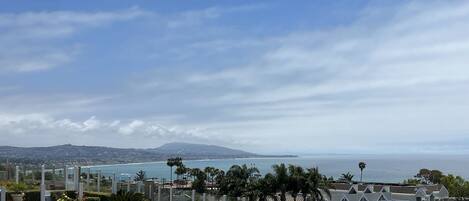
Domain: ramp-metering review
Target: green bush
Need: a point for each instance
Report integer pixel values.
(93, 199)
(32, 196)
(101, 196)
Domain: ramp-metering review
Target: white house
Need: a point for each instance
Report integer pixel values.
(379, 192)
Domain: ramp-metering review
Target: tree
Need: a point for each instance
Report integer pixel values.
(296, 179)
(127, 196)
(347, 177)
(140, 176)
(267, 187)
(281, 176)
(426, 176)
(316, 183)
(235, 182)
(180, 170)
(362, 166)
(171, 162)
(199, 180)
(210, 172)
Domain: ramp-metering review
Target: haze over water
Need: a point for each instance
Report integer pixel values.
(380, 168)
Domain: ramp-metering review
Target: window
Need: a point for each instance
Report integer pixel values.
(363, 199)
(352, 191)
(368, 190)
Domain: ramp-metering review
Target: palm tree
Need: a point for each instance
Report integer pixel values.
(315, 184)
(177, 161)
(127, 196)
(237, 180)
(281, 176)
(199, 180)
(296, 180)
(180, 170)
(347, 177)
(267, 187)
(210, 171)
(362, 166)
(140, 175)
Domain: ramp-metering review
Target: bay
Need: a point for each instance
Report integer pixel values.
(380, 168)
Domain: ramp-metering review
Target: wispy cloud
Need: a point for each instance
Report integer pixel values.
(32, 40)
(48, 131)
(344, 73)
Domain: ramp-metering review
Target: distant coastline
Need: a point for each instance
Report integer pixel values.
(96, 155)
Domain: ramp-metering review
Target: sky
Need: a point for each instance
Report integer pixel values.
(264, 76)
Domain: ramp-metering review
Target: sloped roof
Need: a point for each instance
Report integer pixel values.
(394, 188)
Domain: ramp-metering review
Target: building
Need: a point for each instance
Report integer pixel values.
(381, 192)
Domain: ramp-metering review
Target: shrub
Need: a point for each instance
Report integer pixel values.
(101, 196)
(17, 187)
(32, 196)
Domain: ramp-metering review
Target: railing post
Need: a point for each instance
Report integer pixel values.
(98, 187)
(150, 191)
(3, 193)
(224, 197)
(159, 193)
(88, 179)
(76, 178)
(80, 192)
(171, 193)
(203, 196)
(66, 177)
(17, 174)
(43, 183)
(114, 183)
(193, 195)
(128, 186)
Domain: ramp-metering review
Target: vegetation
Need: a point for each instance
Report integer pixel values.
(456, 185)
(171, 162)
(362, 166)
(140, 176)
(243, 180)
(127, 196)
(347, 177)
(17, 187)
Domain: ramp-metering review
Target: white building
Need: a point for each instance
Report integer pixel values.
(374, 192)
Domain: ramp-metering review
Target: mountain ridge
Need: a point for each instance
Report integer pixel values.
(90, 155)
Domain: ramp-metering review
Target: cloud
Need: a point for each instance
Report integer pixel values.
(93, 131)
(400, 67)
(32, 41)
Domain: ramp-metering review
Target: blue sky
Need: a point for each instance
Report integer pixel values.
(264, 76)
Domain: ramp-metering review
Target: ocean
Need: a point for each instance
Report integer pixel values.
(380, 168)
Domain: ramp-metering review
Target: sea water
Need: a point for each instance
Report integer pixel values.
(380, 168)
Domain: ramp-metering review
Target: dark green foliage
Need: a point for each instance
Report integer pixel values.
(199, 180)
(348, 177)
(457, 186)
(93, 199)
(127, 196)
(426, 176)
(140, 175)
(171, 162)
(281, 175)
(101, 196)
(362, 166)
(235, 182)
(32, 196)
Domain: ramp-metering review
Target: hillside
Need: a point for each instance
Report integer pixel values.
(107, 155)
(187, 149)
